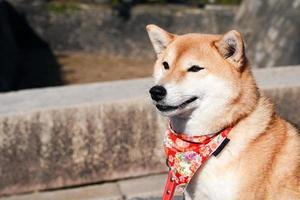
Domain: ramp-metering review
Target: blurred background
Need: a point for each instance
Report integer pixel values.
(58, 42)
(91, 137)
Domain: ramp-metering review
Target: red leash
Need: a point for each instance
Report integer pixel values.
(170, 187)
(186, 154)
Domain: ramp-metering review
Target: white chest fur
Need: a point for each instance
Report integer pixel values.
(222, 177)
(215, 181)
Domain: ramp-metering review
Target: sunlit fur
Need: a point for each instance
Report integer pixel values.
(262, 160)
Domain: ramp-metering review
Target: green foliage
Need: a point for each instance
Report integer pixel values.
(162, 1)
(223, 2)
(115, 2)
(60, 8)
(228, 2)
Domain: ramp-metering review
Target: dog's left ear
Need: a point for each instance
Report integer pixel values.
(160, 38)
(231, 47)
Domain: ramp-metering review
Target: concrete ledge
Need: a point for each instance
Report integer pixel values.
(282, 85)
(71, 96)
(74, 135)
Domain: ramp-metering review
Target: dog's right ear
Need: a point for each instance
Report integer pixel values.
(160, 38)
(231, 47)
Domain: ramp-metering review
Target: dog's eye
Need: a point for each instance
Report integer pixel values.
(166, 65)
(195, 68)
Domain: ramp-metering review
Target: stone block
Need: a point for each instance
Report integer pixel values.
(57, 137)
(83, 134)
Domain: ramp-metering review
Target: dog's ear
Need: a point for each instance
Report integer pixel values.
(160, 38)
(231, 47)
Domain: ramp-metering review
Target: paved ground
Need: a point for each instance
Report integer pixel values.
(143, 188)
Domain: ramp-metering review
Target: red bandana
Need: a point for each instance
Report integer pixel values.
(186, 154)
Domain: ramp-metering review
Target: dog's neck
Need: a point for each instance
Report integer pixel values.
(197, 124)
(211, 117)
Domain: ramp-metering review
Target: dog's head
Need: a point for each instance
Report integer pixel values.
(196, 71)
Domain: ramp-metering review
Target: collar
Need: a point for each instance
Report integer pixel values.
(185, 154)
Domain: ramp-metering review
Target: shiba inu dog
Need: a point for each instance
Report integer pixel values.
(203, 84)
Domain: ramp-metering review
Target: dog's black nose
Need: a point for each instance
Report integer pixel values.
(158, 92)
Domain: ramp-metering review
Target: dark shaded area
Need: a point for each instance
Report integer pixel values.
(124, 7)
(26, 61)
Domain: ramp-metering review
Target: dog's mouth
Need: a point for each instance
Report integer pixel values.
(167, 108)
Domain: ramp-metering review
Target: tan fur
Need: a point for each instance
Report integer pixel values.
(264, 152)
(270, 160)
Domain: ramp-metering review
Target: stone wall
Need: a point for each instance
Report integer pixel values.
(271, 30)
(93, 28)
(83, 134)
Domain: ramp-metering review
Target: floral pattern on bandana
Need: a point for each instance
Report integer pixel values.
(186, 154)
(187, 162)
